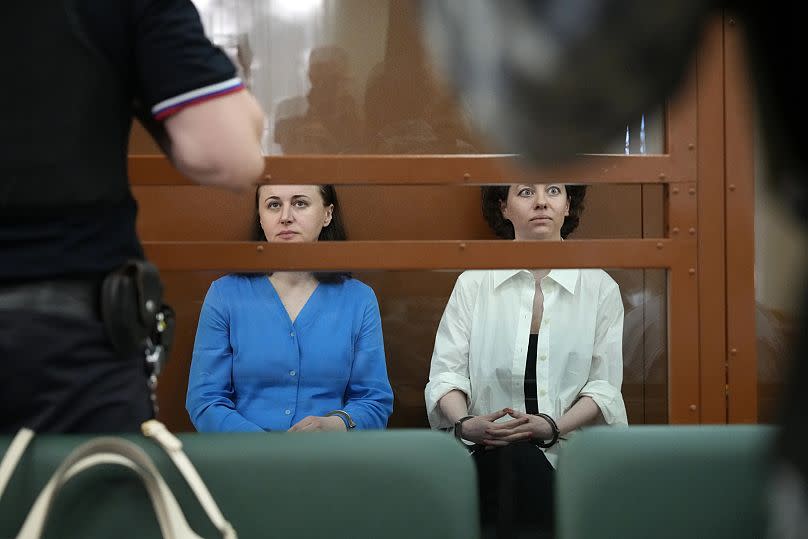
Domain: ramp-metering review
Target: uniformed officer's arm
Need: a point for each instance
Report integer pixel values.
(218, 142)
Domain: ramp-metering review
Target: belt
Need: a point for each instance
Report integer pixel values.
(70, 298)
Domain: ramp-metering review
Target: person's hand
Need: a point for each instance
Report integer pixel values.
(314, 423)
(474, 429)
(521, 428)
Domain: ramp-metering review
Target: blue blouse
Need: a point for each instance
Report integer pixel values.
(253, 369)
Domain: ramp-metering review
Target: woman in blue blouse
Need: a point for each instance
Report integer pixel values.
(291, 350)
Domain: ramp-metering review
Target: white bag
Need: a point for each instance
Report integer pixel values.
(121, 452)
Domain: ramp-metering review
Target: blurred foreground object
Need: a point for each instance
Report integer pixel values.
(546, 79)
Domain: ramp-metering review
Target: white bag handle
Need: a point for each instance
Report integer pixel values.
(13, 454)
(117, 451)
(173, 447)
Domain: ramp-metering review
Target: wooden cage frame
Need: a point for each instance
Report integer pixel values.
(708, 249)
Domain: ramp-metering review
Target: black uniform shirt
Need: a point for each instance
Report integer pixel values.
(158, 51)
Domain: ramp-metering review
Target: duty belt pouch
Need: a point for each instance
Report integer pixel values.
(131, 298)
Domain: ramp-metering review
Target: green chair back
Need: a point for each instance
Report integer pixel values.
(383, 484)
(682, 482)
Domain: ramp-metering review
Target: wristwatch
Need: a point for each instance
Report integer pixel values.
(345, 416)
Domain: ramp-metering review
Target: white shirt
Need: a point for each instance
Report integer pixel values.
(482, 340)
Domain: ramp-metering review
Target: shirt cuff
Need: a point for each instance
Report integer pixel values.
(609, 400)
(169, 107)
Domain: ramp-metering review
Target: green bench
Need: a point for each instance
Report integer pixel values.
(683, 482)
(404, 483)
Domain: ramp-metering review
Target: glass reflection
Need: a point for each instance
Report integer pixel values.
(326, 119)
(351, 76)
(385, 94)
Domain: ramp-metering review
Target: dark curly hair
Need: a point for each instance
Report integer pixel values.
(494, 195)
(335, 231)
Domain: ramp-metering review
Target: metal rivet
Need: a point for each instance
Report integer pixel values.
(692, 191)
(675, 230)
(691, 231)
(732, 187)
(660, 245)
(733, 351)
(692, 407)
(692, 271)
(259, 248)
(691, 146)
(149, 305)
(466, 176)
(661, 175)
(268, 177)
(731, 21)
(462, 245)
(675, 190)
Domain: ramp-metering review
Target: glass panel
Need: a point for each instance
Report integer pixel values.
(779, 260)
(350, 76)
(178, 213)
(411, 305)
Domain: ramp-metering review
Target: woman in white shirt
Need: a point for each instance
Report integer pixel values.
(527, 356)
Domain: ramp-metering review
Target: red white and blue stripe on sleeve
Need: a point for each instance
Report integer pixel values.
(166, 108)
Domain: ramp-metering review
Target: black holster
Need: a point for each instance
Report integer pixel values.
(132, 309)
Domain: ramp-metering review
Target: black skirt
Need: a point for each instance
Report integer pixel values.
(515, 487)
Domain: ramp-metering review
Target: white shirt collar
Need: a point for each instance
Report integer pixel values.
(567, 278)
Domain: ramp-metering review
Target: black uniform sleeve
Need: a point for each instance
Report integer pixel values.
(175, 63)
